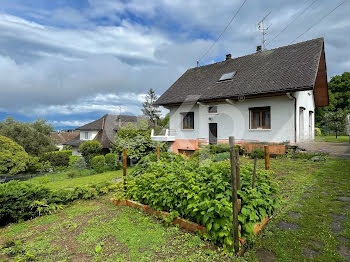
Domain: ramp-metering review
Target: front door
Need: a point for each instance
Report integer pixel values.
(213, 133)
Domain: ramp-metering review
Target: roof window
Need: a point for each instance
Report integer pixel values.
(227, 76)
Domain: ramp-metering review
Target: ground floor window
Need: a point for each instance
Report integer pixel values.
(260, 117)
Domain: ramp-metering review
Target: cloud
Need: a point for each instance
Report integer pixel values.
(73, 123)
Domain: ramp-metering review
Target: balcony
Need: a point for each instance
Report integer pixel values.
(167, 137)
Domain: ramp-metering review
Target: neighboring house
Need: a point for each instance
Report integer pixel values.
(269, 96)
(102, 130)
(63, 137)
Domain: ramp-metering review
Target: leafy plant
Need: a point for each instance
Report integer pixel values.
(112, 161)
(90, 149)
(73, 159)
(98, 164)
(221, 157)
(80, 164)
(57, 158)
(257, 153)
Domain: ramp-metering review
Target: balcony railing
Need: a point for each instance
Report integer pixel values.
(169, 136)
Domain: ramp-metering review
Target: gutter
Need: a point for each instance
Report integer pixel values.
(290, 96)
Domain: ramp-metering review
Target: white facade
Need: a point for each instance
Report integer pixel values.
(234, 119)
(88, 135)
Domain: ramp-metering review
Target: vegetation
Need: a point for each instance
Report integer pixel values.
(79, 164)
(257, 153)
(149, 110)
(335, 121)
(89, 150)
(33, 137)
(35, 165)
(13, 158)
(203, 194)
(98, 164)
(112, 162)
(57, 158)
(340, 139)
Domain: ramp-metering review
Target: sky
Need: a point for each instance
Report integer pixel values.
(70, 62)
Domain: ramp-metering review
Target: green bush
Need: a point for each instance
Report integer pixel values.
(80, 164)
(258, 153)
(23, 200)
(98, 164)
(90, 149)
(221, 157)
(13, 158)
(57, 158)
(202, 194)
(35, 166)
(112, 161)
(318, 131)
(73, 159)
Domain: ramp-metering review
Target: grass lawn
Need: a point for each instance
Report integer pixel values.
(340, 139)
(61, 180)
(314, 222)
(98, 231)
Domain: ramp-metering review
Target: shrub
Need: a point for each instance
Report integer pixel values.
(73, 159)
(80, 164)
(203, 195)
(35, 166)
(258, 153)
(23, 200)
(98, 164)
(13, 158)
(221, 157)
(57, 158)
(111, 161)
(89, 150)
(318, 131)
(72, 173)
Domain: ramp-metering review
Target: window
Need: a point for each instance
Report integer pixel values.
(227, 76)
(86, 135)
(260, 118)
(212, 109)
(188, 120)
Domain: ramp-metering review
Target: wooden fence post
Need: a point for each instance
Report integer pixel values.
(238, 171)
(267, 157)
(254, 171)
(234, 192)
(124, 165)
(158, 153)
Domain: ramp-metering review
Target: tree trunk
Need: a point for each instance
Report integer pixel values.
(336, 134)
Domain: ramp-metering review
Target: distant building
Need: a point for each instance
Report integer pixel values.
(62, 137)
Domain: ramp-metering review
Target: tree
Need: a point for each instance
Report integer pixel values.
(149, 110)
(33, 137)
(13, 158)
(89, 150)
(164, 122)
(335, 121)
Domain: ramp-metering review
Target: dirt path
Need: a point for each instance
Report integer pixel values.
(341, 150)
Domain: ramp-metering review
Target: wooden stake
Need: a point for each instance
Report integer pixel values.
(234, 193)
(238, 171)
(254, 172)
(267, 158)
(158, 153)
(124, 165)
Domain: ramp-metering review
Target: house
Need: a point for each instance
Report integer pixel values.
(266, 97)
(102, 130)
(63, 137)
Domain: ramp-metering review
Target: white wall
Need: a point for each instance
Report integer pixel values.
(92, 135)
(305, 99)
(75, 151)
(233, 120)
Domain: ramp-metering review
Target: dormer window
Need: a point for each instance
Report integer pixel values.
(227, 76)
(212, 109)
(86, 135)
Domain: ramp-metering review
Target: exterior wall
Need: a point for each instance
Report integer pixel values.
(305, 99)
(92, 135)
(75, 151)
(233, 120)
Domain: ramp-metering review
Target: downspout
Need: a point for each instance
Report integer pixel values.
(290, 96)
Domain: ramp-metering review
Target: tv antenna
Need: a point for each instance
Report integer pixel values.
(263, 30)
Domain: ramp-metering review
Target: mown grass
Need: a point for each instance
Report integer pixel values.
(97, 231)
(62, 180)
(340, 139)
(312, 194)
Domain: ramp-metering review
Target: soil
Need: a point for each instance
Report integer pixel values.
(265, 255)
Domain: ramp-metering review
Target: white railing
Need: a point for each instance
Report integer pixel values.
(166, 137)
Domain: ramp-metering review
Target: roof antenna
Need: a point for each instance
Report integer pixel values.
(263, 30)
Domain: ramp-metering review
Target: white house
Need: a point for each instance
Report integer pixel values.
(102, 130)
(269, 96)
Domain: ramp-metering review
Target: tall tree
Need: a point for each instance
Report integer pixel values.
(149, 110)
(335, 121)
(33, 137)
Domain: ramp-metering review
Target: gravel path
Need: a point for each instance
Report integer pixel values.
(341, 150)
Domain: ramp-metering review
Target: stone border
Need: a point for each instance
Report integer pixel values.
(183, 223)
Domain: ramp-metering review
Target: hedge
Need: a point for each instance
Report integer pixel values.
(57, 158)
(98, 164)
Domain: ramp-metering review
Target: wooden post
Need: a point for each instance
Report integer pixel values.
(234, 193)
(238, 171)
(254, 171)
(267, 158)
(124, 165)
(158, 153)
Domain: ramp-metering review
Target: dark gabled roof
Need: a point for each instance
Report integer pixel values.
(62, 137)
(107, 126)
(285, 69)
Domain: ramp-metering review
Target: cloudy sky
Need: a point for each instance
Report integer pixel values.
(72, 61)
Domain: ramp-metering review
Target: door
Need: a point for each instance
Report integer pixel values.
(301, 123)
(213, 133)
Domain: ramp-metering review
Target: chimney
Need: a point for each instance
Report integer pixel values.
(228, 57)
(259, 48)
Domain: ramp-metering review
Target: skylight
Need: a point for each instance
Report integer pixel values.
(227, 76)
